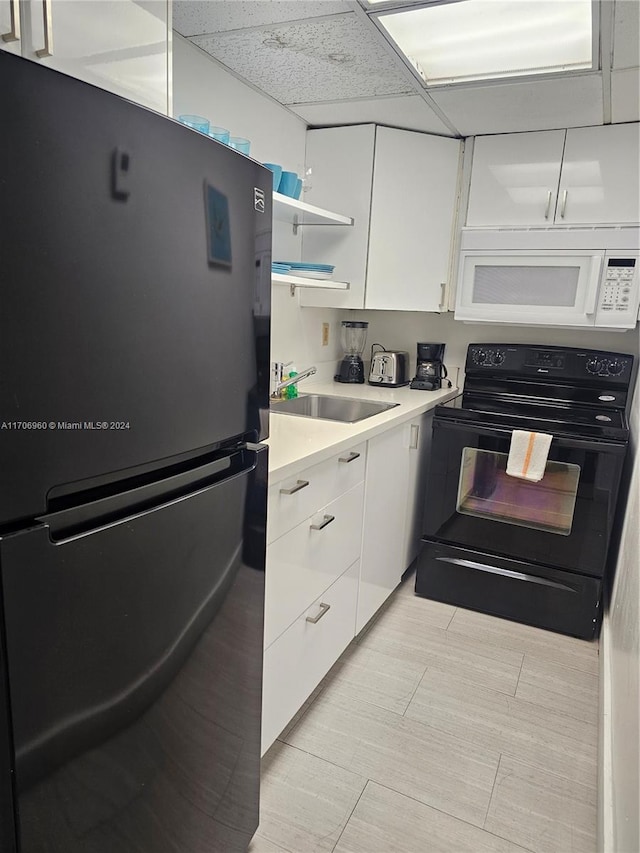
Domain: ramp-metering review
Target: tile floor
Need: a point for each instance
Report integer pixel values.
(440, 730)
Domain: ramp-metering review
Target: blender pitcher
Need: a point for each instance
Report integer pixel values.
(353, 336)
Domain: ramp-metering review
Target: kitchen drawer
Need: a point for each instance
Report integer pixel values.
(326, 481)
(299, 659)
(306, 561)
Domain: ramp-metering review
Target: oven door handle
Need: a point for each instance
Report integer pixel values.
(558, 440)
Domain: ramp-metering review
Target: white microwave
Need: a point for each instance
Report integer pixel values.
(578, 287)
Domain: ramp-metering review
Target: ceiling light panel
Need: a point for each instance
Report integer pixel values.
(484, 39)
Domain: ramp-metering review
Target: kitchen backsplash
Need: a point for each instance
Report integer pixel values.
(402, 330)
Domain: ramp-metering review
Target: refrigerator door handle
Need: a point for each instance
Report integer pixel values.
(129, 503)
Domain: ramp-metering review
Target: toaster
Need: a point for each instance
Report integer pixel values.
(389, 369)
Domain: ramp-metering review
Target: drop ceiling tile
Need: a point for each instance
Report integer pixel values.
(625, 95)
(626, 34)
(196, 17)
(533, 105)
(409, 112)
(326, 59)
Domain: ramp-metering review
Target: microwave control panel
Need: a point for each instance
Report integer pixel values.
(619, 293)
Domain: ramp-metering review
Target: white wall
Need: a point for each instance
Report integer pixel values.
(620, 671)
(202, 86)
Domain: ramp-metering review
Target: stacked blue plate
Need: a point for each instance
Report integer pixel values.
(307, 270)
(283, 269)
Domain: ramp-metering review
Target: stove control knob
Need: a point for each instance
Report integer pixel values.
(615, 368)
(498, 357)
(594, 365)
(480, 356)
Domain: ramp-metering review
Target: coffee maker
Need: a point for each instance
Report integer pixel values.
(430, 369)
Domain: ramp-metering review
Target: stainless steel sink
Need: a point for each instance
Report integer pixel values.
(344, 409)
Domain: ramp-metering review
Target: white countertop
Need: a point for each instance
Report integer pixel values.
(297, 442)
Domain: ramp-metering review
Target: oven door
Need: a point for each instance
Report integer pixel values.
(565, 520)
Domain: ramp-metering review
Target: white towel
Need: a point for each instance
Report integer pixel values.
(528, 454)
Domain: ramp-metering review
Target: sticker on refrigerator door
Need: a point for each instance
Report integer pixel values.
(218, 227)
(258, 199)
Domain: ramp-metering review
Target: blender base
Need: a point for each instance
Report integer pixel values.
(350, 370)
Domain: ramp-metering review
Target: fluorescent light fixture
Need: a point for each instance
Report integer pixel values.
(486, 39)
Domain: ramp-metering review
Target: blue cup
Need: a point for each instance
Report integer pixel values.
(288, 184)
(298, 188)
(219, 133)
(196, 122)
(277, 174)
(240, 144)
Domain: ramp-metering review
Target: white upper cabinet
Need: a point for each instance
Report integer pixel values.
(401, 188)
(413, 208)
(600, 178)
(119, 45)
(515, 178)
(585, 175)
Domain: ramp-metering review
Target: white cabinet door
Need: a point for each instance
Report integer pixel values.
(308, 559)
(515, 178)
(401, 188)
(119, 45)
(298, 660)
(384, 521)
(10, 26)
(413, 209)
(600, 180)
(419, 453)
(341, 163)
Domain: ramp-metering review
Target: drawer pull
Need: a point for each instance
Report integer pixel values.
(350, 458)
(14, 32)
(47, 50)
(327, 520)
(323, 610)
(300, 484)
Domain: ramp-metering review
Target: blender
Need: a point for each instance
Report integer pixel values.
(353, 335)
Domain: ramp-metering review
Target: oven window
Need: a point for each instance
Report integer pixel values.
(485, 490)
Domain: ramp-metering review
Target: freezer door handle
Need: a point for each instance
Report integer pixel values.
(139, 499)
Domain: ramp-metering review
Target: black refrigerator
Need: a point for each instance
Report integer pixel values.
(135, 271)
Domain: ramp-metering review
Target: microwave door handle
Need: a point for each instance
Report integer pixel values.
(594, 282)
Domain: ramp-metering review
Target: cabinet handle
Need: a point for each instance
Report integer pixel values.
(300, 484)
(548, 210)
(14, 32)
(415, 433)
(565, 193)
(443, 288)
(326, 521)
(323, 610)
(47, 50)
(350, 458)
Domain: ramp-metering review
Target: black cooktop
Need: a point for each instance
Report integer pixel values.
(563, 391)
(542, 416)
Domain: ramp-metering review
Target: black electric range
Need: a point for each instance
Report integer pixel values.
(533, 552)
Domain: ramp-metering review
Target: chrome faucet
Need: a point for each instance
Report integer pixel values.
(280, 383)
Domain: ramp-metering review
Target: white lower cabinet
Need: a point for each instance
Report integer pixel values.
(298, 660)
(295, 498)
(396, 475)
(340, 535)
(419, 453)
(383, 534)
(304, 562)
